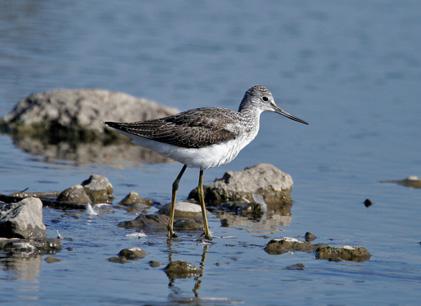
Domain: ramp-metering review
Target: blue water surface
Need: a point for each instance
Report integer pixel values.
(350, 68)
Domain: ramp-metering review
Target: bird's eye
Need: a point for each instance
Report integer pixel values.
(265, 99)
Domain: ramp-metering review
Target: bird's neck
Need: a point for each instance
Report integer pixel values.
(251, 115)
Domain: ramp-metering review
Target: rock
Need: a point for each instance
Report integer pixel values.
(368, 202)
(183, 225)
(152, 223)
(342, 253)
(309, 236)
(22, 220)
(297, 266)
(98, 188)
(154, 263)
(132, 253)
(287, 244)
(147, 223)
(30, 247)
(241, 186)
(74, 197)
(186, 210)
(133, 198)
(411, 181)
(51, 259)
(181, 269)
(118, 259)
(77, 114)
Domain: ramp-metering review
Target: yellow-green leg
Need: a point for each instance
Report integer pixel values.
(203, 206)
(171, 233)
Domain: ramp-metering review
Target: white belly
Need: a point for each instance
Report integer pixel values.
(206, 157)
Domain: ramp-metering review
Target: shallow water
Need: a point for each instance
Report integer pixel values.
(352, 69)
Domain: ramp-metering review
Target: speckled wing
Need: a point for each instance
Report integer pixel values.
(195, 128)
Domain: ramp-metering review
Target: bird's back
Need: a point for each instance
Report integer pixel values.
(195, 128)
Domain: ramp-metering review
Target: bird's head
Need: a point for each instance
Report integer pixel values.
(261, 98)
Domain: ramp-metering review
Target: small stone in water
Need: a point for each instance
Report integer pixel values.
(51, 259)
(368, 203)
(297, 266)
(154, 263)
(132, 253)
(309, 236)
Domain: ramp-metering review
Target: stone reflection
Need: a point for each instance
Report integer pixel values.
(116, 154)
(22, 267)
(177, 269)
(254, 216)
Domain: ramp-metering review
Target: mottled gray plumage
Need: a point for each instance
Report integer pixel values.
(195, 128)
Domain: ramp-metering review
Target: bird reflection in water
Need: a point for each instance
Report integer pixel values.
(197, 275)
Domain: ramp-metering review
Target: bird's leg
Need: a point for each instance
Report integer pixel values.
(171, 233)
(203, 206)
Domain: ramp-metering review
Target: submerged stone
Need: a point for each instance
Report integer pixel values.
(368, 202)
(297, 266)
(411, 181)
(342, 253)
(154, 263)
(152, 223)
(309, 236)
(287, 244)
(147, 223)
(181, 269)
(51, 259)
(132, 253)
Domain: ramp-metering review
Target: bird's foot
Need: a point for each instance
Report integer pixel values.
(206, 236)
(171, 234)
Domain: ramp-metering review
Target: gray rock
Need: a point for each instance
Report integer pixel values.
(51, 259)
(30, 247)
(147, 223)
(22, 219)
(132, 253)
(181, 269)
(98, 188)
(77, 114)
(154, 263)
(118, 259)
(297, 266)
(286, 244)
(411, 181)
(133, 198)
(241, 186)
(186, 210)
(348, 253)
(74, 197)
(151, 223)
(187, 224)
(309, 236)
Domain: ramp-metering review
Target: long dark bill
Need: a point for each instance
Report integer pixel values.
(288, 115)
